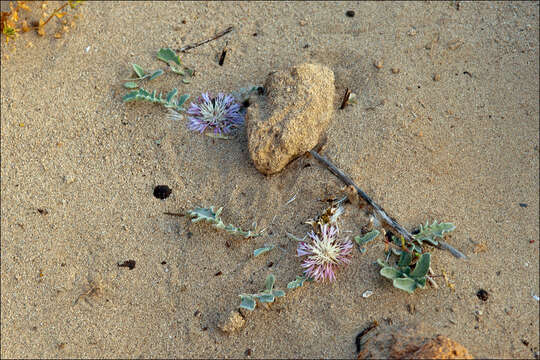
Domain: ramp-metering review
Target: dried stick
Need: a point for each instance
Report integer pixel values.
(217, 36)
(379, 211)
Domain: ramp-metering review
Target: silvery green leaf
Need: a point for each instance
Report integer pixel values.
(130, 85)
(382, 263)
(367, 237)
(156, 73)
(420, 282)
(406, 284)
(206, 214)
(131, 96)
(390, 273)
(265, 298)
(430, 232)
(278, 293)
(299, 281)
(269, 283)
(181, 100)
(262, 250)
(177, 69)
(168, 55)
(422, 266)
(171, 94)
(405, 259)
(138, 70)
(248, 302)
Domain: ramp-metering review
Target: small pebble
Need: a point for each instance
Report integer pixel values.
(523, 205)
(349, 13)
(395, 70)
(436, 77)
(248, 352)
(367, 294)
(302, 23)
(378, 64)
(412, 32)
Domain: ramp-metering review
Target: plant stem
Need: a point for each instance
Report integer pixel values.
(54, 13)
(217, 36)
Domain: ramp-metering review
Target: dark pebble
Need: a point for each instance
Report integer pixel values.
(248, 352)
(162, 191)
(163, 263)
(482, 294)
(218, 273)
(523, 205)
(350, 13)
(43, 211)
(129, 264)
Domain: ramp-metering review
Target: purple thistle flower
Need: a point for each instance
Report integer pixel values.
(325, 253)
(220, 113)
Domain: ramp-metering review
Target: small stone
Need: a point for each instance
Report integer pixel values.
(162, 192)
(283, 125)
(436, 77)
(302, 22)
(232, 323)
(395, 70)
(412, 32)
(349, 13)
(378, 64)
(367, 294)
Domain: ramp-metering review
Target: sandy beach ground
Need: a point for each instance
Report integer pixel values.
(78, 170)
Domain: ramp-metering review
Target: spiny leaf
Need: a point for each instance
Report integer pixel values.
(367, 237)
(171, 95)
(208, 215)
(430, 232)
(422, 266)
(262, 250)
(182, 100)
(248, 302)
(131, 96)
(138, 70)
(167, 55)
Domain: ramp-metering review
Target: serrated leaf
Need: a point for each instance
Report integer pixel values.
(130, 85)
(167, 55)
(299, 281)
(138, 70)
(422, 266)
(156, 73)
(269, 283)
(206, 214)
(430, 232)
(248, 302)
(405, 259)
(130, 96)
(278, 293)
(390, 273)
(405, 284)
(367, 237)
(265, 298)
(262, 250)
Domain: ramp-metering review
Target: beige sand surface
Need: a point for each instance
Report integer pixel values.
(461, 149)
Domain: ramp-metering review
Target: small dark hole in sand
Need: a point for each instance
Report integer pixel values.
(162, 192)
(482, 294)
(128, 263)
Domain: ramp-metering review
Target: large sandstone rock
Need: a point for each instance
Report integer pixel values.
(291, 117)
(391, 342)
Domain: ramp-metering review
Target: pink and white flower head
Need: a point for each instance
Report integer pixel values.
(220, 113)
(325, 253)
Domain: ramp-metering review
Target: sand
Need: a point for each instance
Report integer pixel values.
(79, 167)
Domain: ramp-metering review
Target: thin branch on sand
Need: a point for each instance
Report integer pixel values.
(215, 37)
(379, 211)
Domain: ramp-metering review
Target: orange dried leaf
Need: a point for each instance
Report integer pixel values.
(24, 26)
(57, 35)
(41, 23)
(41, 31)
(22, 5)
(60, 15)
(15, 16)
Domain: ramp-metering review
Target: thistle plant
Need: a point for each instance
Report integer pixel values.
(268, 295)
(402, 276)
(208, 215)
(325, 252)
(220, 113)
(169, 100)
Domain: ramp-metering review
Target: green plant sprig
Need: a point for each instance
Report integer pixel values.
(268, 295)
(208, 215)
(168, 101)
